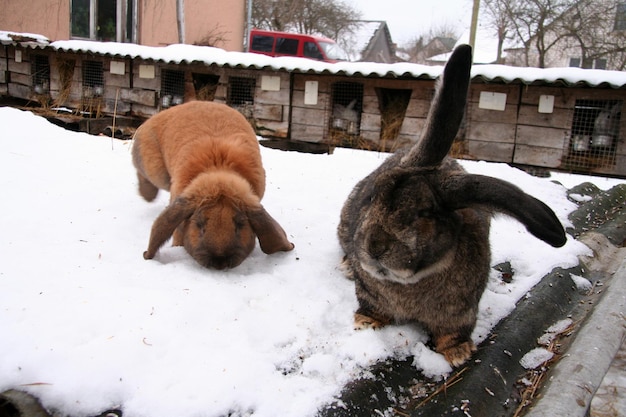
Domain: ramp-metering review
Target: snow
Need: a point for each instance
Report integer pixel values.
(88, 324)
(202, 54)
(580, 198)
(32, 38)
(582, 283)
(535, 358)
(553, 331)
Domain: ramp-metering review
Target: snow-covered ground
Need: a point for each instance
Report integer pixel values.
(87, 324)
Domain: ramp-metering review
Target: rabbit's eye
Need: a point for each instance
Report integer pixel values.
(239, 221)
(425, 213)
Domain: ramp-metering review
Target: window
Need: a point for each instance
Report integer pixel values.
(599, 63)
(262, 43)
(103, 20)
(287, 46)
(588, 63)
(620, 16)
(312, 51)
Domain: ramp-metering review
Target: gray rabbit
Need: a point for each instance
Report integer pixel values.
(415, 232)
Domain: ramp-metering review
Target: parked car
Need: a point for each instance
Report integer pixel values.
(293, 44)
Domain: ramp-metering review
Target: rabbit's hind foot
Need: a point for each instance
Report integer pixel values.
(455, 353)
(362, 322)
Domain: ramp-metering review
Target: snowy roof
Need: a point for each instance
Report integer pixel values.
(182, 53)
(25, 39)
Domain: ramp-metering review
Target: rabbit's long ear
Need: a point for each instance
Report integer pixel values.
(460, 191)
(446, 112)
(272, 237)
(163, 227)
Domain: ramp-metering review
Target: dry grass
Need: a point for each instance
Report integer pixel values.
(422, 393)
(66, 73)
(534, 379)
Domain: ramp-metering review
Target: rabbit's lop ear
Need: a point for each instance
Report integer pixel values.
(446, 112)
(460, 191)
(163, 227)
(272, 237)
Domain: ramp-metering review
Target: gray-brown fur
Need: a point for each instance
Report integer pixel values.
(415, 232)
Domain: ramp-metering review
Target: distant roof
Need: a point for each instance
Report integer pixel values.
(360, 39)
(485, 46)
(180, 53)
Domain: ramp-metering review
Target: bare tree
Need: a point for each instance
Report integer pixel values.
(498, 19)
(553, 27)
(330, 18)
(536, 25)
(590, 26)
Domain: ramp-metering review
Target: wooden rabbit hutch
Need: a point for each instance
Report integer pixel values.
(261, 95)
(4, 72)
(26, 73)
(577, 129)
(369, 113)
(528, 119)
(572, 129)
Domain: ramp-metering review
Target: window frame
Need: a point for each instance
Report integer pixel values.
(125, 20)
(620, 16)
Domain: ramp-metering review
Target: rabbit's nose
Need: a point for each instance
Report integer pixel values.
(221, 262)
(378, 243)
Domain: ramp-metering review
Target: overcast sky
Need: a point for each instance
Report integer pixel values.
(409, 18)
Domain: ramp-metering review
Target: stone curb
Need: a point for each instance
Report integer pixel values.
(577, 376)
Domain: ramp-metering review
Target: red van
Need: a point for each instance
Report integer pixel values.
(293, 44)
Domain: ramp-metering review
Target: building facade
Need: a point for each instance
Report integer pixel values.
(145, 22)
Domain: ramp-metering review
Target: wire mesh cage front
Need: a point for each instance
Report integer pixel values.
(93, 79)
(93, 87)
(172, 88)
(347, 106)
(40, 71)
(594, 134)
(241, 95)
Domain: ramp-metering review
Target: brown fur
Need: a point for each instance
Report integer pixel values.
(207, 156)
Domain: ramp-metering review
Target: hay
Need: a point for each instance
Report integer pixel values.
(66, 74)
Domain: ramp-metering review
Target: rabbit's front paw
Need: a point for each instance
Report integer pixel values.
(455, 353)
(346, 269)
(362, 322)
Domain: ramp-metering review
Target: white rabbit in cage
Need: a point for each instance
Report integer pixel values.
(345, 117)
(606, 126)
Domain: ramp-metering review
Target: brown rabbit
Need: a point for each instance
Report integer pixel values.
(207, 156)
(416, 230)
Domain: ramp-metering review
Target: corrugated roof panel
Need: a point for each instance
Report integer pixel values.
(214, 56)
